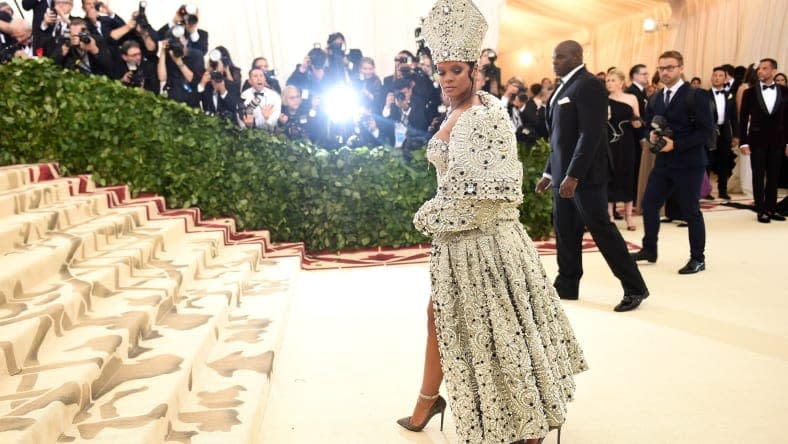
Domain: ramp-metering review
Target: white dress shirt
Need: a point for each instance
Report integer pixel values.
(565, 79)
(769, 96)
(672, 90)
(270, 97)
(719, 100)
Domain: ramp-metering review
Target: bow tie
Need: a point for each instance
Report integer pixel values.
(719, 92)
(772, 86)
(259, 94)
(727, 84)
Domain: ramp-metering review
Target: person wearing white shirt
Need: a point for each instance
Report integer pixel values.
(727, 129)
(265, 114)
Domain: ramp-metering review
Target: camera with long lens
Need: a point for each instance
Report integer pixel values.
(64, 39)
(522, 94)
(136, 78)
(8, 51)
(174, 40)
(661, 129)
(188, 14)
(217, 76)
(142, 19)
(84, 37)
(399, 95)
(249, 107)
(214, 57)
(98, 6)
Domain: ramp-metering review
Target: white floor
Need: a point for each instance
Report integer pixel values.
(704, 360)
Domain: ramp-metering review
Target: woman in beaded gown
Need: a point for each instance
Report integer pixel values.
(497, 334)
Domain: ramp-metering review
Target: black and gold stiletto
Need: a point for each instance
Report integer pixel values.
(439, 406)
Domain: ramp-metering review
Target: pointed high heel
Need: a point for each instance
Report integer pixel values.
(439, 406)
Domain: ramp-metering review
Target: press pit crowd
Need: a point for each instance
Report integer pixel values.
(335, 97)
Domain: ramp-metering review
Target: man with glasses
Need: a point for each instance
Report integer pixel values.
(681, 160)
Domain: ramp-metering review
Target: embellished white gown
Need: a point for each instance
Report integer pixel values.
(507, 350)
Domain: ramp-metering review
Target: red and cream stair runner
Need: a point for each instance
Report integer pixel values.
(121, 321)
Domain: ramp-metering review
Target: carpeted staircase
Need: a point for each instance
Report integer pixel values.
(123, 322)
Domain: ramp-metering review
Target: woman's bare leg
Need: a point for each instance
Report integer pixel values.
(628, 213)
(433, 374)
(610, 206)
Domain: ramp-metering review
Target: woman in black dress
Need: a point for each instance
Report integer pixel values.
(623, 121)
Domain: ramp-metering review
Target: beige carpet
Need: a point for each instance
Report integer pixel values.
(704, 360)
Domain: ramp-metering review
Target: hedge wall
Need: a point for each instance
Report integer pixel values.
(328, 199)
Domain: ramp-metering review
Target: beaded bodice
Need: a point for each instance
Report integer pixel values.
(479, 175)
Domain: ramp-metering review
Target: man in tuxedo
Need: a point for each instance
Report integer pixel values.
(90, 56)
(638, 76)
(680, 164)
(723, 110)
(53, 27)
(764, 139)
(102, 21)
(578, 169)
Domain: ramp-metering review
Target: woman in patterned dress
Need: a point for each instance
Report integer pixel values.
(497, 334)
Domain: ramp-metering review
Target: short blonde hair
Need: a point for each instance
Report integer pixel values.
(616, 72)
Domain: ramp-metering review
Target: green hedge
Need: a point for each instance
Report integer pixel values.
(328, 199)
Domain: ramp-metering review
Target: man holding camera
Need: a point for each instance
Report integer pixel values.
(135, 70)
(681, 127)
(180, 68)
(83, 51)
(188, 17)
(53, 29)
(102, 21)
(261, 105)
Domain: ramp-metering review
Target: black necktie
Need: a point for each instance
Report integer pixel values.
(719, 92)
(772, 86)
(667, 97)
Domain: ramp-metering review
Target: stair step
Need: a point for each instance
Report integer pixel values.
(228, 399)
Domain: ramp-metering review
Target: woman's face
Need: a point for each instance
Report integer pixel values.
(455, 80)
(613, 83)
(780, 79)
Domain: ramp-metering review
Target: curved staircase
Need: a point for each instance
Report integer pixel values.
(123, 322)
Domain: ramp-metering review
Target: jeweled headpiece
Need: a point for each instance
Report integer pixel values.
(454, 30)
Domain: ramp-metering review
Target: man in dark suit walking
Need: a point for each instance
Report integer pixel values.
(723, 109)
(578, 169)
(681, 162)
(763, 106)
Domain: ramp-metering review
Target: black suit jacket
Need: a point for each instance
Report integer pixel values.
(225, 107)
(765, 129)
(730, 126)
(690, 139)
(39, 8)
(577, 119)
(641, 95)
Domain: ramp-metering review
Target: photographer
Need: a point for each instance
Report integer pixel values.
(188, 17)
(367, 83)
(135, 70)
(337, 71)
(220, 64)
(219, 94)
(139, 30)
(678, 136)
(84, 52)
(53, 30)
(261, 105)
(19, 42)
(180, 68)
(404, 64)
(492, 73)
(102, 21)
(310, 76)
(294, 121)
(407, 112)
(371, 131)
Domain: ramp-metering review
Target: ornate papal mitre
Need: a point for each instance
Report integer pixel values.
(454, 30)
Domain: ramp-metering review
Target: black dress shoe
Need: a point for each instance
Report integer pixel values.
(568, 297)
(763, 218)
(725, 196)
(776, 216)
(644, 255)
(709, 197)
(617, 216)
(630, 302)
(692, 267)
(666, 220)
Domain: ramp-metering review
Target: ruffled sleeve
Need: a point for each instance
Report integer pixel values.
(483, 177)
